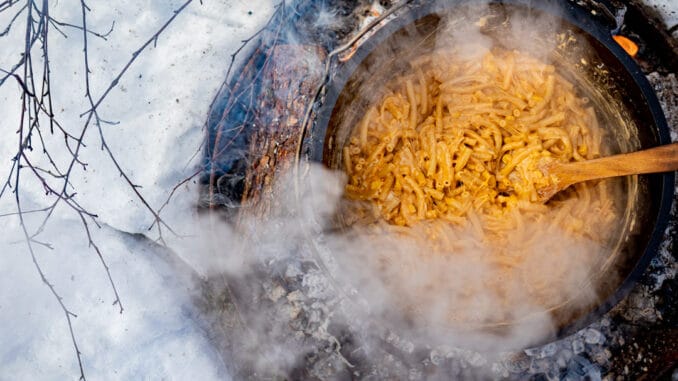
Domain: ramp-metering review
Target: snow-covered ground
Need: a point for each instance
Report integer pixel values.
(667, 9)
(161, 104)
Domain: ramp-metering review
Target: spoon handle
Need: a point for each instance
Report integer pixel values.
(659, 159)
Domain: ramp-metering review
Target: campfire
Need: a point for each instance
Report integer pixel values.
(290, 304)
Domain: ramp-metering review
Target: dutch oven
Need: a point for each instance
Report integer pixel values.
(626, 104)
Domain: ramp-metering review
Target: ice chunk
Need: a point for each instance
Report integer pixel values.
(549, 350)
(592, 336)
(577, 346)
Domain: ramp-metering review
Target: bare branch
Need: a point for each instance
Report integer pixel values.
(11, 22)
(38, 123)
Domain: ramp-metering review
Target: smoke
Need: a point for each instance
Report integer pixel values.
(293, 277)
(300, 270)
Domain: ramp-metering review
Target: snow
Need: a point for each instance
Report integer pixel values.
(155, 337)
(667, 10)
(160, 106)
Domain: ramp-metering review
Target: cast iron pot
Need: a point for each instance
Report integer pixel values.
(625, 102)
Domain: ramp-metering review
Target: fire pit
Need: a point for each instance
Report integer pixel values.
(257, 132)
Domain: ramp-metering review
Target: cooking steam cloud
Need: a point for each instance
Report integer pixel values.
(385, 278)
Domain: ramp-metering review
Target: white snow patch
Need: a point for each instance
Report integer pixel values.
(160, 106)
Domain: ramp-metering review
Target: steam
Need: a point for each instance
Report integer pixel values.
(376, 277)
(380, 281)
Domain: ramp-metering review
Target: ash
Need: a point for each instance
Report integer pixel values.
(313, 333)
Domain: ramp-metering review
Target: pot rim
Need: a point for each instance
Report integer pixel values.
(579, 18)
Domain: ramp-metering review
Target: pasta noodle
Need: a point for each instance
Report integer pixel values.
(491, 127)
(453, 148)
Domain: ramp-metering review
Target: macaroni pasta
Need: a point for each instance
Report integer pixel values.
(461, 135)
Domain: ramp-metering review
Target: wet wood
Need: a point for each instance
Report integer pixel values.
(290, 78)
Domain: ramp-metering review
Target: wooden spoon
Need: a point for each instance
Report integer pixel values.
(659, 159)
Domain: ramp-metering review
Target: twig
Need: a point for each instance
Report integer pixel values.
(38, 123)
(11, 22)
